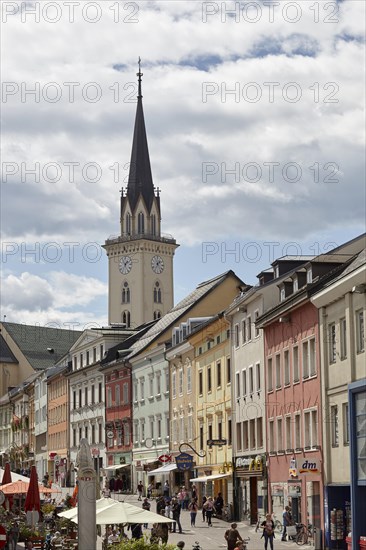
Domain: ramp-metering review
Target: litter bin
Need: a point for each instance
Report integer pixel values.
(318, 538)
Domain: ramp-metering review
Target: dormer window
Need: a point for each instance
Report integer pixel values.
(296, 284)
(309, 275)
(282, 294)
(276, 271)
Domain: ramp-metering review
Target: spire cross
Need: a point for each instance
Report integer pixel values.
(158, 191)
(139, 74)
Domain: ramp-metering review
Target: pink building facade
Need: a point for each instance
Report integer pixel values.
(293, 412)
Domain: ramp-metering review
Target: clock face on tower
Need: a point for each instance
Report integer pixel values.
(157, 264)
(125, 265)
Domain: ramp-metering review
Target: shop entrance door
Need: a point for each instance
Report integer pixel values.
(253, 499)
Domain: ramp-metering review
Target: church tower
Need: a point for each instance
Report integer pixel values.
(141, 258)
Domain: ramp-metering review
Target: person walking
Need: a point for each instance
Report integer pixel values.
(146, 506)
(286, 520)
(268, 531)
(232, 536)
(176, 508)
(193, 508)
(163, 530)
(219, 504)
(166, 489)
(160, 505)
(204, 500)
(140, 489)
(209, 509)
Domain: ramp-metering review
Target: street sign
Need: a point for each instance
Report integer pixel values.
(184, 461)
(110, 434)
(219, 442)
(2, 536)
(165, 458)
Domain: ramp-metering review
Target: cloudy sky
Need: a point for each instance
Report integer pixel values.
(255, 121)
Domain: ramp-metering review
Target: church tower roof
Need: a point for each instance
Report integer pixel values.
(140, 178)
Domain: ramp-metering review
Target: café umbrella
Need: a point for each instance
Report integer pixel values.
(7, 479)
(32, 505)
(21, 488)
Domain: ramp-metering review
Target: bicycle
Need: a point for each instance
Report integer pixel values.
(226, 513)
(303, 533)
(277, 524)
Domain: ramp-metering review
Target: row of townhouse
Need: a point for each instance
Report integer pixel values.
(264, 387)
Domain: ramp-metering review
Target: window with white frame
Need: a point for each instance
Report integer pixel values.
(251, 380)
(218, 374)
(345, 424)
(249, 328)
(286, 367)
(189, 379)
(158, 426)
(142, 427)
(239, 443)
(118, 394)
(270, 374)
(279, 435)
(151, 386)
(174, 384)
(332, 339)
(109, 397)
(271, 436)
(312, 357)
(135, 390)
(151, 422)
(244, 381)
(258, 375)
(125, 392)
(190, 427)
(297, 428)
(201, 436)
(209, 379)
(244, 331)
(256, 330)
(167, 425)
(305, 359)
(237, 384)
(142, 389)
(228, 370)
(167, 380)
(180, 381)
(334, 425)
(288, 431)
(311, 428)
(158, 383)
(253, 435)
(360, 331)
(200, 383)
(278, 371)
(236, 336)
(295, 363)
(245, 425)
(260, 432)
(343, 335)
(126, 434)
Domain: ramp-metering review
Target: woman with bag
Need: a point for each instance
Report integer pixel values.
(268, 531)
(193, 508)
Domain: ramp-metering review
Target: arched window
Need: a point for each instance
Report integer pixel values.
(157, 293)
(126, 318)
(157, 314)
(153, 224)
(140, 223)
(126, 294)
(128, 223)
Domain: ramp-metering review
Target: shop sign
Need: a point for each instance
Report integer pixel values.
(310, 467)
(139, 465)
(251, 464)
(292, 471)
(122, 460)
(165, 458)
(184, 461)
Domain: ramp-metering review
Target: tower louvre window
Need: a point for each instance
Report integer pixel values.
(157, 293)
(140, 223)
(126, 318)
(153, 224)
(128, 224)
(126, 294)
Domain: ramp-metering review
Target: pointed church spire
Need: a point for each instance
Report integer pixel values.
(140, 178)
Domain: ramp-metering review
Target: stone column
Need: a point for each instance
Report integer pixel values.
(86, 497)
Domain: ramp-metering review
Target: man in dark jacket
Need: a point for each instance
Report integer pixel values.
(176, 515)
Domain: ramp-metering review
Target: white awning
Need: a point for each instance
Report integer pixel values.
(163, 469)
(116, 466)
(203, 479)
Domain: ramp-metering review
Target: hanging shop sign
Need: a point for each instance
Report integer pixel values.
(165, 458)
(184, 461)
(292, 471)
(309, 467)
